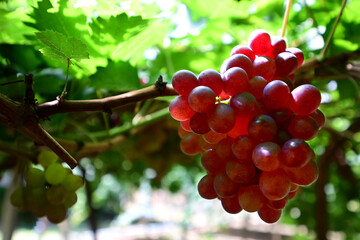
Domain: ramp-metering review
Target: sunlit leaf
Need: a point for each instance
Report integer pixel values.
(61, 47)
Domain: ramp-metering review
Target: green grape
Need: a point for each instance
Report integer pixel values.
(56, 195)
(36, 201)
(34, 177)
(55, 173)
(45, 158)
(56, 214)
(72, 182)
(17, 198)
(70, 200)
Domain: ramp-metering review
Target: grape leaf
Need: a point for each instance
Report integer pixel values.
(61, 47)
(120, 75)
(119, 27)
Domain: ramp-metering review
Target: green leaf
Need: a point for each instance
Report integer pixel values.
(117, 27)
(348, 89)
(150, 36)
(118, 75)
(61, 47)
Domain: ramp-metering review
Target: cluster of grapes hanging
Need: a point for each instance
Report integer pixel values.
(250, 122)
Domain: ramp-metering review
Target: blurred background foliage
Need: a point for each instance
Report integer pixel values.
(132, 43)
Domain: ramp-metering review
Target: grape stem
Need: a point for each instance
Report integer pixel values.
(106, 104)
(323, 52)
(286, 17)
(64, 92)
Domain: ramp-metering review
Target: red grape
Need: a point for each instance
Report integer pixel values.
(276, 94)
(295, 153)
(298, 53)
(198, 123)
(262, 128)
(212, 79)
(204, 145)
(244, 104)
(222, 118)
(260, 42)
(256, 86)
(189, 144)
(243, 49)
(243, 147)
(277, 204)
(304, 99)
(278, 46)
(202, 99)
(224, 186)
(282, 118)
(241, 172)
(303, 176)
(303, 127)
(241, 61)
(212, 162)
(235, 80)
(184, 81)
(182, 132)
(224, 148)
(180, 109)
(251, 198)
(286, 64)
(274, 185)
(265, 67)
(231, 204)
(266, 156)
(206, 187)
(319, 117)
(213, 137)
(185, 125)
(268, 214)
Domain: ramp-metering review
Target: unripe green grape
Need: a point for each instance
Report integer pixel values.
(17, 198)
(34, 177)
(70, 200)
(56, 214)
(55, 173)
(56, 195)
(72, 182)
(45, 158)
(36, 201)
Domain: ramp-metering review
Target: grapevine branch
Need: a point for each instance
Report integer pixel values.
(25, 116)
(106, 104)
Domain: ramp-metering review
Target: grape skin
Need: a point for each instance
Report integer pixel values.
(55, 173)
(266, 156)
(304, 99)
(212, 79)
(235, 80)
(202, 99)
(180, 109)
(222, 118)
(206, 188)
(184, 81)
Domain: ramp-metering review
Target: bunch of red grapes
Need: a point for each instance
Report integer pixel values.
(250, 122)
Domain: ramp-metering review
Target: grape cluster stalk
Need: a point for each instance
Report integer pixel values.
(250, 122)
(49, 189)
